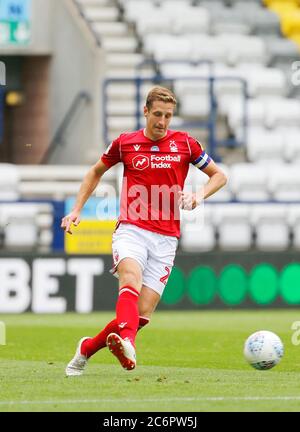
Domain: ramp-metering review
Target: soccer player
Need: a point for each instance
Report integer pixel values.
(156, 162)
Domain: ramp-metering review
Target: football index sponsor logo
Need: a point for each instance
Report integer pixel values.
(140, 162)
(164, 161)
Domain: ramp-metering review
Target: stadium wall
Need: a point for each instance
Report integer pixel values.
(60, 283)
(77, 65)
(60, 60)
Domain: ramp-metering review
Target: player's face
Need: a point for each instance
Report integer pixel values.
(158, 118)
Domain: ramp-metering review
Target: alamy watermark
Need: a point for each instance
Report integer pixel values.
(296, 335)
(155, 203)
(296, 73)
(2, 333)
(2, 74)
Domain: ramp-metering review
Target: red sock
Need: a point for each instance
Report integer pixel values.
(90, 346)
(128, 313)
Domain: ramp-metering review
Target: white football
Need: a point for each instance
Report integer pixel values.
(263, 349)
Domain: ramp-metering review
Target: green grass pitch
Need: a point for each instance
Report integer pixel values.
(187, 361)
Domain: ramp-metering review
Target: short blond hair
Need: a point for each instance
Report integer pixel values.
(160, 94)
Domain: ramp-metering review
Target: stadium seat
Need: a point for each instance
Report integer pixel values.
(192, 20)
(284, 182)
(281, 50)
(271, 229)
(198, 233)
(264, 145)
(109, 28)
(119, 44)
(227, 20)
(291, 147)
(242, 48)
(21, 234)
(233, 227)
(267, 82)
(134, 9)
(255, 114)
(282, 112)
(94, 13)
(248, 182)
(153, 23)
(9, 182)
(263, 22)
(23, 223)
(172, 48)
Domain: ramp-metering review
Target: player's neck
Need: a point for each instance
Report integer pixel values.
(148, 135)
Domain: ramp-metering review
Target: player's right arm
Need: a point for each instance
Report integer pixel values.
(87, 187)
(111, 157)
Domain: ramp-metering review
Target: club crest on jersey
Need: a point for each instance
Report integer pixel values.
(136, 147)
(140, 162)
(155, 148)
(173, 146)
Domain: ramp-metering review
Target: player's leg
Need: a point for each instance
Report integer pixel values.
(147, 303)
(122, 344)
(122, 330)
(160, 258)
(130, 258)
(130, 255)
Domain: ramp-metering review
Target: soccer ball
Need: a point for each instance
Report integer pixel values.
(263, 350)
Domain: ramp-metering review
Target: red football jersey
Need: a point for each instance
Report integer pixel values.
(154, 173)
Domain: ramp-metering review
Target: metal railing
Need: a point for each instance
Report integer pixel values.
(210, 124)
(58, 138)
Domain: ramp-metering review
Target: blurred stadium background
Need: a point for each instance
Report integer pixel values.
(74, 74)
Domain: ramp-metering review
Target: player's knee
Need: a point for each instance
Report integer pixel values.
(128, 277)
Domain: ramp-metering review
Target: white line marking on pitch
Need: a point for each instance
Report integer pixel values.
(201, 399)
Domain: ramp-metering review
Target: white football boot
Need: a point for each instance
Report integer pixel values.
(122, 349)
(79, 361)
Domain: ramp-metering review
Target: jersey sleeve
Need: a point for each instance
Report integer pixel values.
(112, 155)
(199, 158)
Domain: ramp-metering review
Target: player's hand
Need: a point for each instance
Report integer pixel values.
(68, 220)
(187, 200)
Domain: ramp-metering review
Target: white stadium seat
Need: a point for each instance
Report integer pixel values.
(248, 182)
(9, 182)
(234, 229)
(271, 229)
(284, 182)
(21, 234)
(198, 232)
(282, 112)
(94, 13)
(263, 145)
(291, 147)
(23, 223)
(255, 114)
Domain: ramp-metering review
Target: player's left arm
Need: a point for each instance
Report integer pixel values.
(217, 179)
